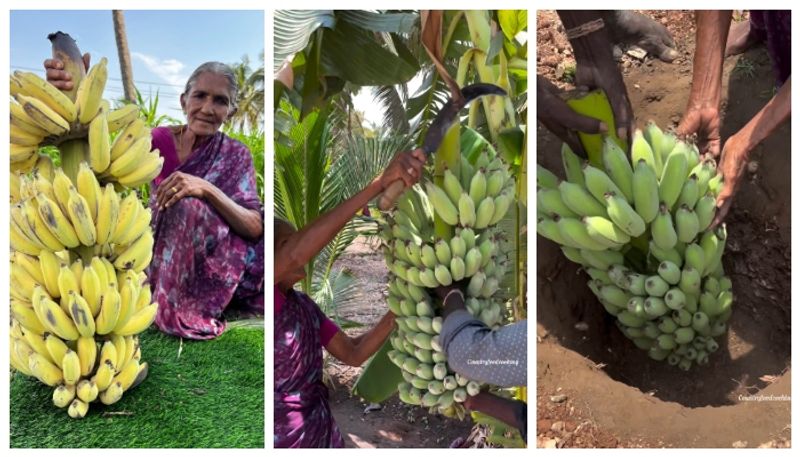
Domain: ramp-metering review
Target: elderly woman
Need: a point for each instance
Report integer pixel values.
(207, 217)
(302, 415)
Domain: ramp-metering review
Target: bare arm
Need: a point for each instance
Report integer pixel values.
(245, 222)
(297, 249)
(354, 351)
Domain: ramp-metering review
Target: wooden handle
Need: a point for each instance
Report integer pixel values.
(391, 193)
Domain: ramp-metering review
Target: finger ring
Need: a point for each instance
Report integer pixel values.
(174, 190)
(410, 170)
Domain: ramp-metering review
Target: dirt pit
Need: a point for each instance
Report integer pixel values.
(595, 388)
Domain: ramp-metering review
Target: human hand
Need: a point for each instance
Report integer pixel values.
(632, 28)
(732, 166)
(560, 119)
(703, 120)
(406, 167)
(177, 186)
(57, 76)
(602, 73)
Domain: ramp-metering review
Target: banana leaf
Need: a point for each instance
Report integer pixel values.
(380, 22)
(293, 29)
(473, 143)
(379, 379)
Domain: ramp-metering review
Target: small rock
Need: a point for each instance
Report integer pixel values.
(543, 425)
(626, 64)
(637, 52)
(636, 86)
(582, 326)
(752, 166)
(739, 444)
(557, 426)
(551, 443)
(558, 398)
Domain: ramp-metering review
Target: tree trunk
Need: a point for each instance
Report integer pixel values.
(124, 55)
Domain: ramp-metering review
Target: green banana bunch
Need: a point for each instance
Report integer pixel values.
(657, 204)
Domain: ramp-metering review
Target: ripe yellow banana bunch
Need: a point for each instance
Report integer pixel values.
(79, 247)
(473, 199)
(668, 290)
(81, 371)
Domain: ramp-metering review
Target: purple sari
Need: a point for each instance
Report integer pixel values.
(303, 417)
(200, 267)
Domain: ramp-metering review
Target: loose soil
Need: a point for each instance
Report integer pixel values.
(595, 388)
(395, 424)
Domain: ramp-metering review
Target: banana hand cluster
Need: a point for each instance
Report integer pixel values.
(418, 261)
(79, 296)
(640, 228)
(41, 114)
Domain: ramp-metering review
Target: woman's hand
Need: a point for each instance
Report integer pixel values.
(177, 186)
(732, 166)
(405, 166)
(57, 76)
(702, 119)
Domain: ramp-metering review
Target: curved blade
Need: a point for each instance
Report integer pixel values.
(449, 112)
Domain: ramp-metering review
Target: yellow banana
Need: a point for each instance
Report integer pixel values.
(145, 297)
(81, 314)
(44, 370)
(71, 367)
(22, 153)
(81, 217)
(24, 141)
(127, 303)
(112, 394)
(137, 229)
(108, 353)
(147, 171)
(67, 282)
(23, 280)
(44, 166)
(30, 210)
(90, 92)
(36, 342)
(55, 220)
(24, 167)
(87, 353)
(21, 120)
(129, 160)
(104, 375)
(20, 224)
(56, 348)
(109, 310)
(128, 213)
(78, 409)
(128, 136)
(122, 347)
(57, 321)
(127, 375)
(36, 87)
(121, 117)
(20, 242)
(90, 289)
(87, 391)
(136, 253)
(26, 316)
(139, 321)
(107, 214)
(131, 344)
(89, 188)
(43, 116)
(63, 395)
(99, 144)
(30, 264)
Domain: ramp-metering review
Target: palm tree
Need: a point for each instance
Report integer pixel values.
(124, 55)
(250, 114)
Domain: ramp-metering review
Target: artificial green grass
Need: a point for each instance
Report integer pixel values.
(209, 396)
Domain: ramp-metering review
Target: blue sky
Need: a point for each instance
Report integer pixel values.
(165, 46)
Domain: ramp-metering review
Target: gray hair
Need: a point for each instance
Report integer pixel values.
(217, 68)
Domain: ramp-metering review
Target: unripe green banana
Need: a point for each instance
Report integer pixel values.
(622, 214)
(618, 167)
(619, 276)
(468, 235)
(709, 304)
(711, 285)
(656, 286)
(636, 283)
(690, 281)
(667, 325)
(662, 230)
(684, 335)
(705, 170)
(660, 145)
(641, 150)
(605, 231)
(428, 278)
(502, 203)
(636, 306)
(443, 275)
(443, 253)
(599, 275)
(545, 178)
(472, 261)
(672, 179)
(615, 296)
(630, 319)
(725, 284)
(428, 256)
(452, 187)
(655, 306)
(574, 255)
(413, 254)
(602, 260)
(457, 247)
(705, 209)
(675, 299)
(572, 165)
(551, 202)
(599, 183)
(686, 224)
(713, 244)
(645, 191)
(548, 228)
(442, 204)
(495, 181)
(476, 284)
(669, 272)
(466, 211)
(580, 201)
(715, 184)
(575, 231)
(665, 254)
(689, 193)
(477, 186)
(484, 213)
(457, 268)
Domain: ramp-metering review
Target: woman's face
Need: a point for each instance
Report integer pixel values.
(207, 105)
(282, 231)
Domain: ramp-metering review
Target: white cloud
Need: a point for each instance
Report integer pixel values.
(169, 70)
